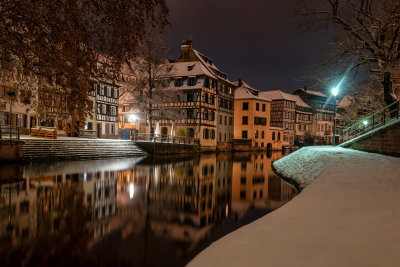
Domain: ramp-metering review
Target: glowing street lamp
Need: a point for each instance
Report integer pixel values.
(335, 92)
(365, 123)
(133, 119)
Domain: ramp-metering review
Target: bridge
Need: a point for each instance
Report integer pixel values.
(377, 133)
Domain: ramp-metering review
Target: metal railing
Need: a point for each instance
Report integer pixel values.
(382, 117)
(9, 132)
(160, 138)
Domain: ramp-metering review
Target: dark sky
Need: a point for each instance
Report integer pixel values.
(258, 41)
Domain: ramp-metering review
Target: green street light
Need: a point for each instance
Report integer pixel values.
(335, 91)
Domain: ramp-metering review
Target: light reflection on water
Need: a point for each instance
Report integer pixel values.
(139, 211)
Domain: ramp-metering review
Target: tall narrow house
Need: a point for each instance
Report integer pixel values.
(204, 96)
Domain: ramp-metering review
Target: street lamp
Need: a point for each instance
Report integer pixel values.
(335, 91)
(133, 118)
(11, 95)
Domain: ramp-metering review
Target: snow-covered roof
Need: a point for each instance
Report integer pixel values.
(313, 92)
(244, 91)
(187, 69)
(278, 94)
(345, 102)
(211, 67)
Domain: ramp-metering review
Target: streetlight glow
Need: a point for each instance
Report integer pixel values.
(335, 91)
(133, 117)
(365, 122)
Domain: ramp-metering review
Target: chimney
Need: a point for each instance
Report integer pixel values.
(305, 87)
(186, 47)
(240, 82)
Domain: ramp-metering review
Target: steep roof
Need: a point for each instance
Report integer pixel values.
(244, 91)
(191, 68)
(278, 94)
(312, 92)
(345, 102)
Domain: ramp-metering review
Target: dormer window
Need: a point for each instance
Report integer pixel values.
(190, 67)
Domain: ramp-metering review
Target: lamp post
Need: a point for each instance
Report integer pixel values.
(11, 95)
(133, 118)
(335, 91)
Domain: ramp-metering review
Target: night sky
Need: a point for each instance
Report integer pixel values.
(259, 41)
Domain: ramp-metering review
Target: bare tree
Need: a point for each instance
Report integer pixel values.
(153, 77)
(367, 36)
(64, 41)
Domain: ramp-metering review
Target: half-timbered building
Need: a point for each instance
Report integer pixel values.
(203, 97)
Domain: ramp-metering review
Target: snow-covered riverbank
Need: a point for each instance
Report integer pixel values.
(347, 215)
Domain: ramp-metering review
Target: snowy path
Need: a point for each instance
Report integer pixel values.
(349, 216)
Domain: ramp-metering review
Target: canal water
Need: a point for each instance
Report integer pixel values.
(131, 211)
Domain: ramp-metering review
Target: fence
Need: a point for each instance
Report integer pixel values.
(9, 132)
(382, 117)
(160, 138)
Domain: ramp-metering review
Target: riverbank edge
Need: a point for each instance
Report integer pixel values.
(291, 238)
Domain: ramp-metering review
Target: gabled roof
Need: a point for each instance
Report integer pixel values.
(345, 102)
(312, 92)
(278, 94)
(244, 91)
(187, 69)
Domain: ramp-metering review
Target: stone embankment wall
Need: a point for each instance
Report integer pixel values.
(154, 148)
(11, 150)
(383, 141)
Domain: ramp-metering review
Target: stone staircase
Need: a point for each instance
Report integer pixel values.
(42, 149)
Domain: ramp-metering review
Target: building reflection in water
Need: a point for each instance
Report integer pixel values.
(151, 204)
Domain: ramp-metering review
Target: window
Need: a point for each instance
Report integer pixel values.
(243, 180)
(245, 106)
(212, 134)
(273, 135)
(226, 120)
(262, 134)
(191, 132)
(206, 82)
(263, 107)
(178, 82)
(242, 194)
(244, 134)
(230, 120)
(260, 121)
(220, 119)
(245, 120)
(257, 106)
(205, 98)
(243, 165)
(189, 97)
(206, 133)
(191, 81)
(279, 136)
(256, 134)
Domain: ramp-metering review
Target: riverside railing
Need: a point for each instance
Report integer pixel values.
(382, 117)
(160, 138)
(9, 132)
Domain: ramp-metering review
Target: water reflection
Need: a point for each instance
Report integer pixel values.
(141, 211)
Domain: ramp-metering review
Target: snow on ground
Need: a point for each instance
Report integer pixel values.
(349, 216)
(306, 164)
